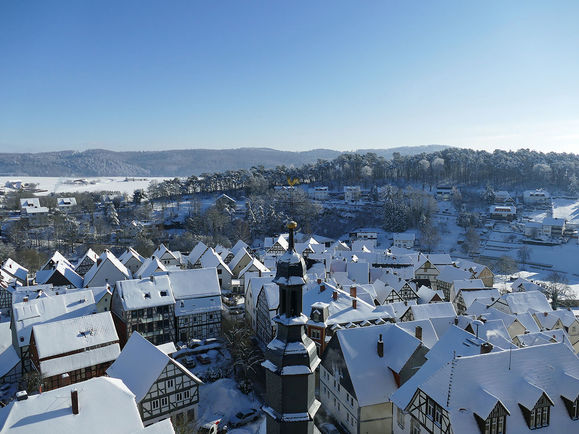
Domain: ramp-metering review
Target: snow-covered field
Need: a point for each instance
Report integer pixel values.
(65, 185)
(567, 209)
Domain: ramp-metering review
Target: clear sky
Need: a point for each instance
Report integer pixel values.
(143, 75)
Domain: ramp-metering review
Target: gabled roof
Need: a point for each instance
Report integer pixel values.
(450, 273)
(196, 253)
(255, 263)
(211, 259)
(149, 267)
(64, 270)
(469, 296)
(523, 302)
(432, 310)
(56, 258)
(238, 246)
(194, 283)
(372, 382)
(106, 405)
(144, 293)
(140, 364)
(105, 256)
(241, 253)
(89, 255)
(130, 253)
(15, 269)
(73, 334)
(162, 251)
(546, 337)
(45, 309)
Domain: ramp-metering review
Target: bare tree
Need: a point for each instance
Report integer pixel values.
(557, 289)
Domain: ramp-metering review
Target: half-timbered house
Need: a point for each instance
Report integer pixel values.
(163, 387)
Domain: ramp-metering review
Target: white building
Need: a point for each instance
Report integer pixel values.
(321, 193)
(404, 240)
(352, 193)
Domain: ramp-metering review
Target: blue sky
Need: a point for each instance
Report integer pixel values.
(143, 75)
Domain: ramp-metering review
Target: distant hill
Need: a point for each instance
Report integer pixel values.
(100, 162)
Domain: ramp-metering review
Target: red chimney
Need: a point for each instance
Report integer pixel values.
(486, 348)
(74, 399)
(335, 295)
(352, 291)
(322, 288)
(319, 280)
(354, 303)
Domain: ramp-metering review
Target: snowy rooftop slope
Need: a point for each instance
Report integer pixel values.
(522, 302)
(149, 267)
(517, 377)
(468, 284)
(106, 255)
(63, 269)
(73, 362)
(239, 245)
(471, 295)
(8, 356)
(15, 269)
(546, 337)
(455, 341)
(432, 310)
(210, 259)
(372, 381)
(45, 309)
(130, 253)
(91, 254)
(162, 250)
(64, 336)
(150, 292)
(429, 336)
(196, 253)
(255, 263)
(140, 364)
(50, 412)
(198, 282)
(57, 257)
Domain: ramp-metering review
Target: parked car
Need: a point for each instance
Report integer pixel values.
(244, 417)
(210, 427)
(188, 362)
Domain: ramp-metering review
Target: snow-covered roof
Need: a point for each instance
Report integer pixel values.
(470, 295)
(359, 272)
(8, 356)
(45, 309)
(89, 255)
(254, 265)
(144, 293)
(429, 335)
(15, 269)
(404, 236)
(65, 201)
(149, 267)
(163, 251)
(194, 283)
(512, 378)
(372, 382)
(130, 253)
(238, 246)
(432, 310)
(426, 294)
(465, 264)
(30, 202)
(196, 253)
(211, 259)
(522, 302)
(73, 334)
(103, 258)
(450, 273)
(439, 259)
(106, 405)
(521, 284)
(64, 270)
(56, 258)
(140, 364)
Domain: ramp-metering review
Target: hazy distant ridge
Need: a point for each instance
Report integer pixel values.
(100, 162)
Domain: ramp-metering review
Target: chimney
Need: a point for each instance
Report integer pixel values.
(456, 321)
(380, 347)
(25, 299)
(335, 295)
(319, 280)
(74, 399)
(486, 348)
(353, 291)
(354, 303)
(151, 277)
(418, 333)
(322, 288)
(64, 380)
(544, 313)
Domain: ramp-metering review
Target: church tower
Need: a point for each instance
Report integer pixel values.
(291, 357)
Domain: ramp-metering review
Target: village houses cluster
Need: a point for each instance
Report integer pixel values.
(409, 342)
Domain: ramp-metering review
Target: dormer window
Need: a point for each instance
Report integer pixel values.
(496, 422)
(540, 415)
(572, 407)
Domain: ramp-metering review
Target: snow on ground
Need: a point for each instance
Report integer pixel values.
(222, 399)
(64, 185)
(567, 209)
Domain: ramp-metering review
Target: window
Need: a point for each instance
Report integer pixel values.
(169, 383)
(495, 425)
(539, 417)
(155, 404)
(179, 396)
(164, 401)
(400, 417)
(414, 426)
(187, 394)
(315, 333)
